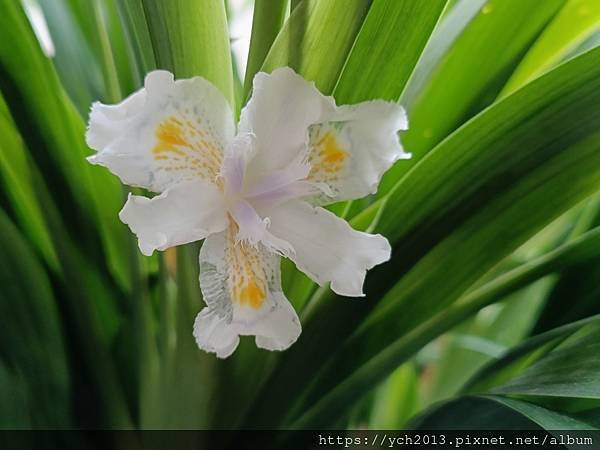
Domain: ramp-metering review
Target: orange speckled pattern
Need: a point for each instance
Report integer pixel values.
(327, 157)
(330, 153)
(190, 145)
(248, 283)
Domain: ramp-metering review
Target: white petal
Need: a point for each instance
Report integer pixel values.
(167, 132)
(108, 122)
(184, 213)
(326, 248)
(282, 106)
(214, 334)
(353, 148)
(242, 289)
(234, 164)
(282, 185)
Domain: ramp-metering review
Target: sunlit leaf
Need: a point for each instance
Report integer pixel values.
(386, 49)
(468, 75)
(316, 39)
(577, 20)
(190, 38)
(266, 23)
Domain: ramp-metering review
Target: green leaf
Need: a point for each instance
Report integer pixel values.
(317, 38)
(92, 55)
(386, 49)
(266, 23)
(588, 44)
(577, 20)
(190, 38)
(91, 323)
(138, 36)
(578, 283)
(18, 184)
(495, 413)
(15, 412)
(468, 75)
(477, 175)
(454, 20)
(187, 381)
(54, 134)
(468, 347)
(396, 400)
(75, 61)
(112, 86)
(31, 342)
(122, 52)
(570, 370)
(529, 351)
(409, 343)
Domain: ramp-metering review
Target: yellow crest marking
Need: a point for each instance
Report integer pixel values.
(251, 294)
(169, 134)
(331, 153)
(327, 157)
(247, 278)
(183, 145)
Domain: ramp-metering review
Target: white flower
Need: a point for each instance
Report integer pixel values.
(254, 195)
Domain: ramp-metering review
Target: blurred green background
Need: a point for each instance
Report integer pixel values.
(487, 314)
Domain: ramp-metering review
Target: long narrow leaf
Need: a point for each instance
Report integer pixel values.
(489, 46)
(190, 38)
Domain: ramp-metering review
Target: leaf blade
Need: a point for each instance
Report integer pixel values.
(380, 62)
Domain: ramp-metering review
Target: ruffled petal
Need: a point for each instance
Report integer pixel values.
(352, 149)
(167, 132)
(184, 213)
(326, 248)
(282, 107)
(242, 290)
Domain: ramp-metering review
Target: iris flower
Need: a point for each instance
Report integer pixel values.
(254, 194)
